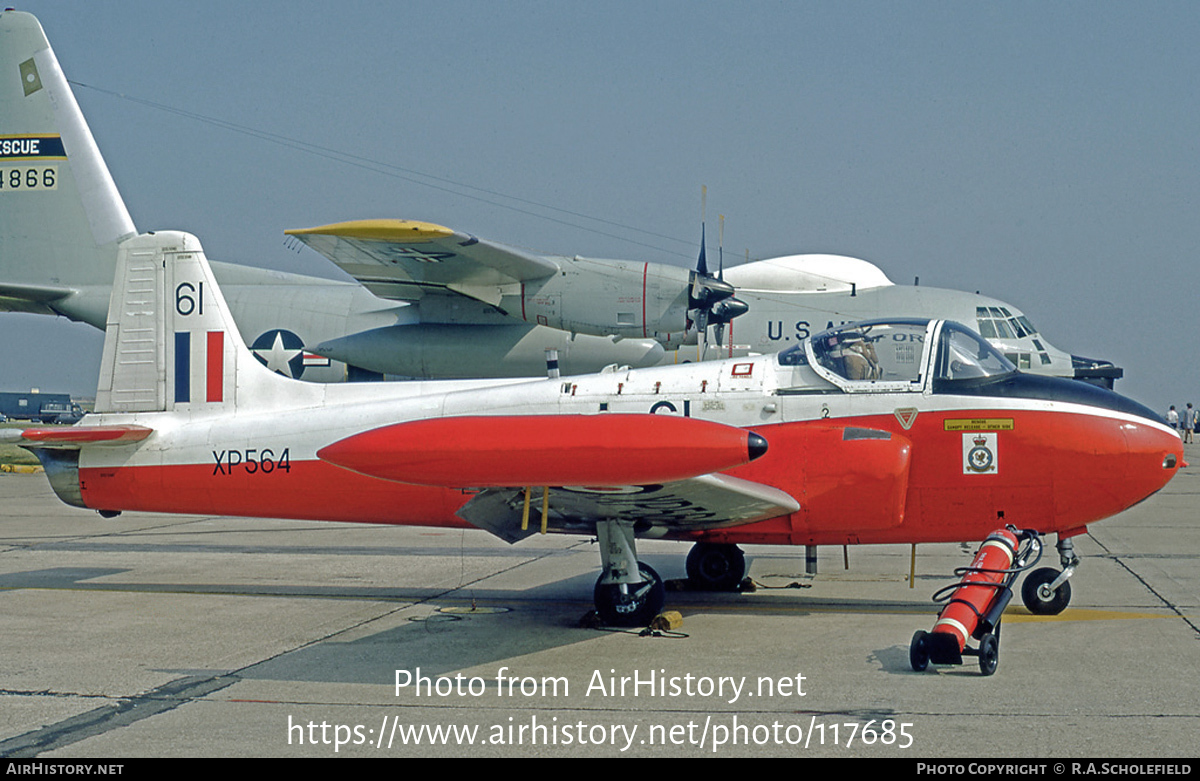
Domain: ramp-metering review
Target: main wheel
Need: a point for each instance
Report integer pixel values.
(637, 607)
(1037, 596)
(918, 651)
(989, 654)
(716, 567)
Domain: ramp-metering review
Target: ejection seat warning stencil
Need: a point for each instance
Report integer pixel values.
(978, 424)
(979, 453)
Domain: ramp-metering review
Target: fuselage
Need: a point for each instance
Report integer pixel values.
(915, 455)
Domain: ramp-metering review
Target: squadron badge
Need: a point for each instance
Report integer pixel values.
(979, 453)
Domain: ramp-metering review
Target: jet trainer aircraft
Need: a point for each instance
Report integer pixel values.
(432, 302)
(899, 431)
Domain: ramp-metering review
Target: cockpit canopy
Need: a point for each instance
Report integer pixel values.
(879, 355)
(965, 355)
(935, 356)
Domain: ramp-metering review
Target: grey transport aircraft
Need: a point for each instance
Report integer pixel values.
(430, 301)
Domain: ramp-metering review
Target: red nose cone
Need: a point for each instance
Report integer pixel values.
(1155, 456)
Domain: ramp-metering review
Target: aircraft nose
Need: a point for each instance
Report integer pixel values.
(1155, 454)
(1105, 463)
(1152, 456)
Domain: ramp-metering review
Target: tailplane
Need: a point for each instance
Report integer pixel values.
(62, 217)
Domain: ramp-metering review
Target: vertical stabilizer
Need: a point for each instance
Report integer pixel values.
(61, 216)
(170, 343)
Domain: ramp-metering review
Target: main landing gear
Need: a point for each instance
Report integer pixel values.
(631, 593)
(1046, 591)
(716, 566)
(628, 593)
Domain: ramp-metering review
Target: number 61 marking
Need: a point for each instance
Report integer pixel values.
(185, 304)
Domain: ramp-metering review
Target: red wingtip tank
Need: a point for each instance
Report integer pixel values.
(497, 451)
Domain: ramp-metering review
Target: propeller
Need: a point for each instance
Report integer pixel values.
(711, 297)
(722, 312)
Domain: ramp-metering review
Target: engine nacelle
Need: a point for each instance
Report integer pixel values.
(602, 297)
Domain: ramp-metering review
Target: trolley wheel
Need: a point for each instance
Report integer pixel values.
(918, 651)
(989, 654)
(1037, 596)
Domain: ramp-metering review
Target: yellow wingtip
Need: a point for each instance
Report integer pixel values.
(378, 230)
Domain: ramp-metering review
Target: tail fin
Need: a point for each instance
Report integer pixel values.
(170, 342)
(61, 217)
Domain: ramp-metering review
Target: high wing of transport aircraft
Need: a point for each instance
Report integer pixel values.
(900, 431)
(431, 302)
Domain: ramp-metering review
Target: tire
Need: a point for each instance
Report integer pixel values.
(918, 651)
(646, 602)
(989, 654)
(1034, 596)
(716, 567)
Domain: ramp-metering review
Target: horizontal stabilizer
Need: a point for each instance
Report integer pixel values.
(506, 451)
(33, 293)
(77, 436)
(34, 299)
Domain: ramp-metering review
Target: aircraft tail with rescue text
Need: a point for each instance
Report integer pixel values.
(62, 215)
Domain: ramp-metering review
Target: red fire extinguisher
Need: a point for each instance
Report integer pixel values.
(976, 603)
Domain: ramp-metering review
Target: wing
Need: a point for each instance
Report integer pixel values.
(404, 259)
(711, 501)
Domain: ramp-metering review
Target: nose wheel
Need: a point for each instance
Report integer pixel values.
(1040, 595)
(1046, 591)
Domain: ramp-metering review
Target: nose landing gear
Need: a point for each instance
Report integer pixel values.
(1046, 591)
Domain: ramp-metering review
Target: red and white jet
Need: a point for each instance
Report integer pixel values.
(883, 432)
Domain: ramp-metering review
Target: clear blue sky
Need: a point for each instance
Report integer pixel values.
(1043, 153)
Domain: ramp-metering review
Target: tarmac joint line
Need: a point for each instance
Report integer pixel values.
(125, 711)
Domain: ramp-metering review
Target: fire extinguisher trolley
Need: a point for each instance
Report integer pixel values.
(976, 603)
